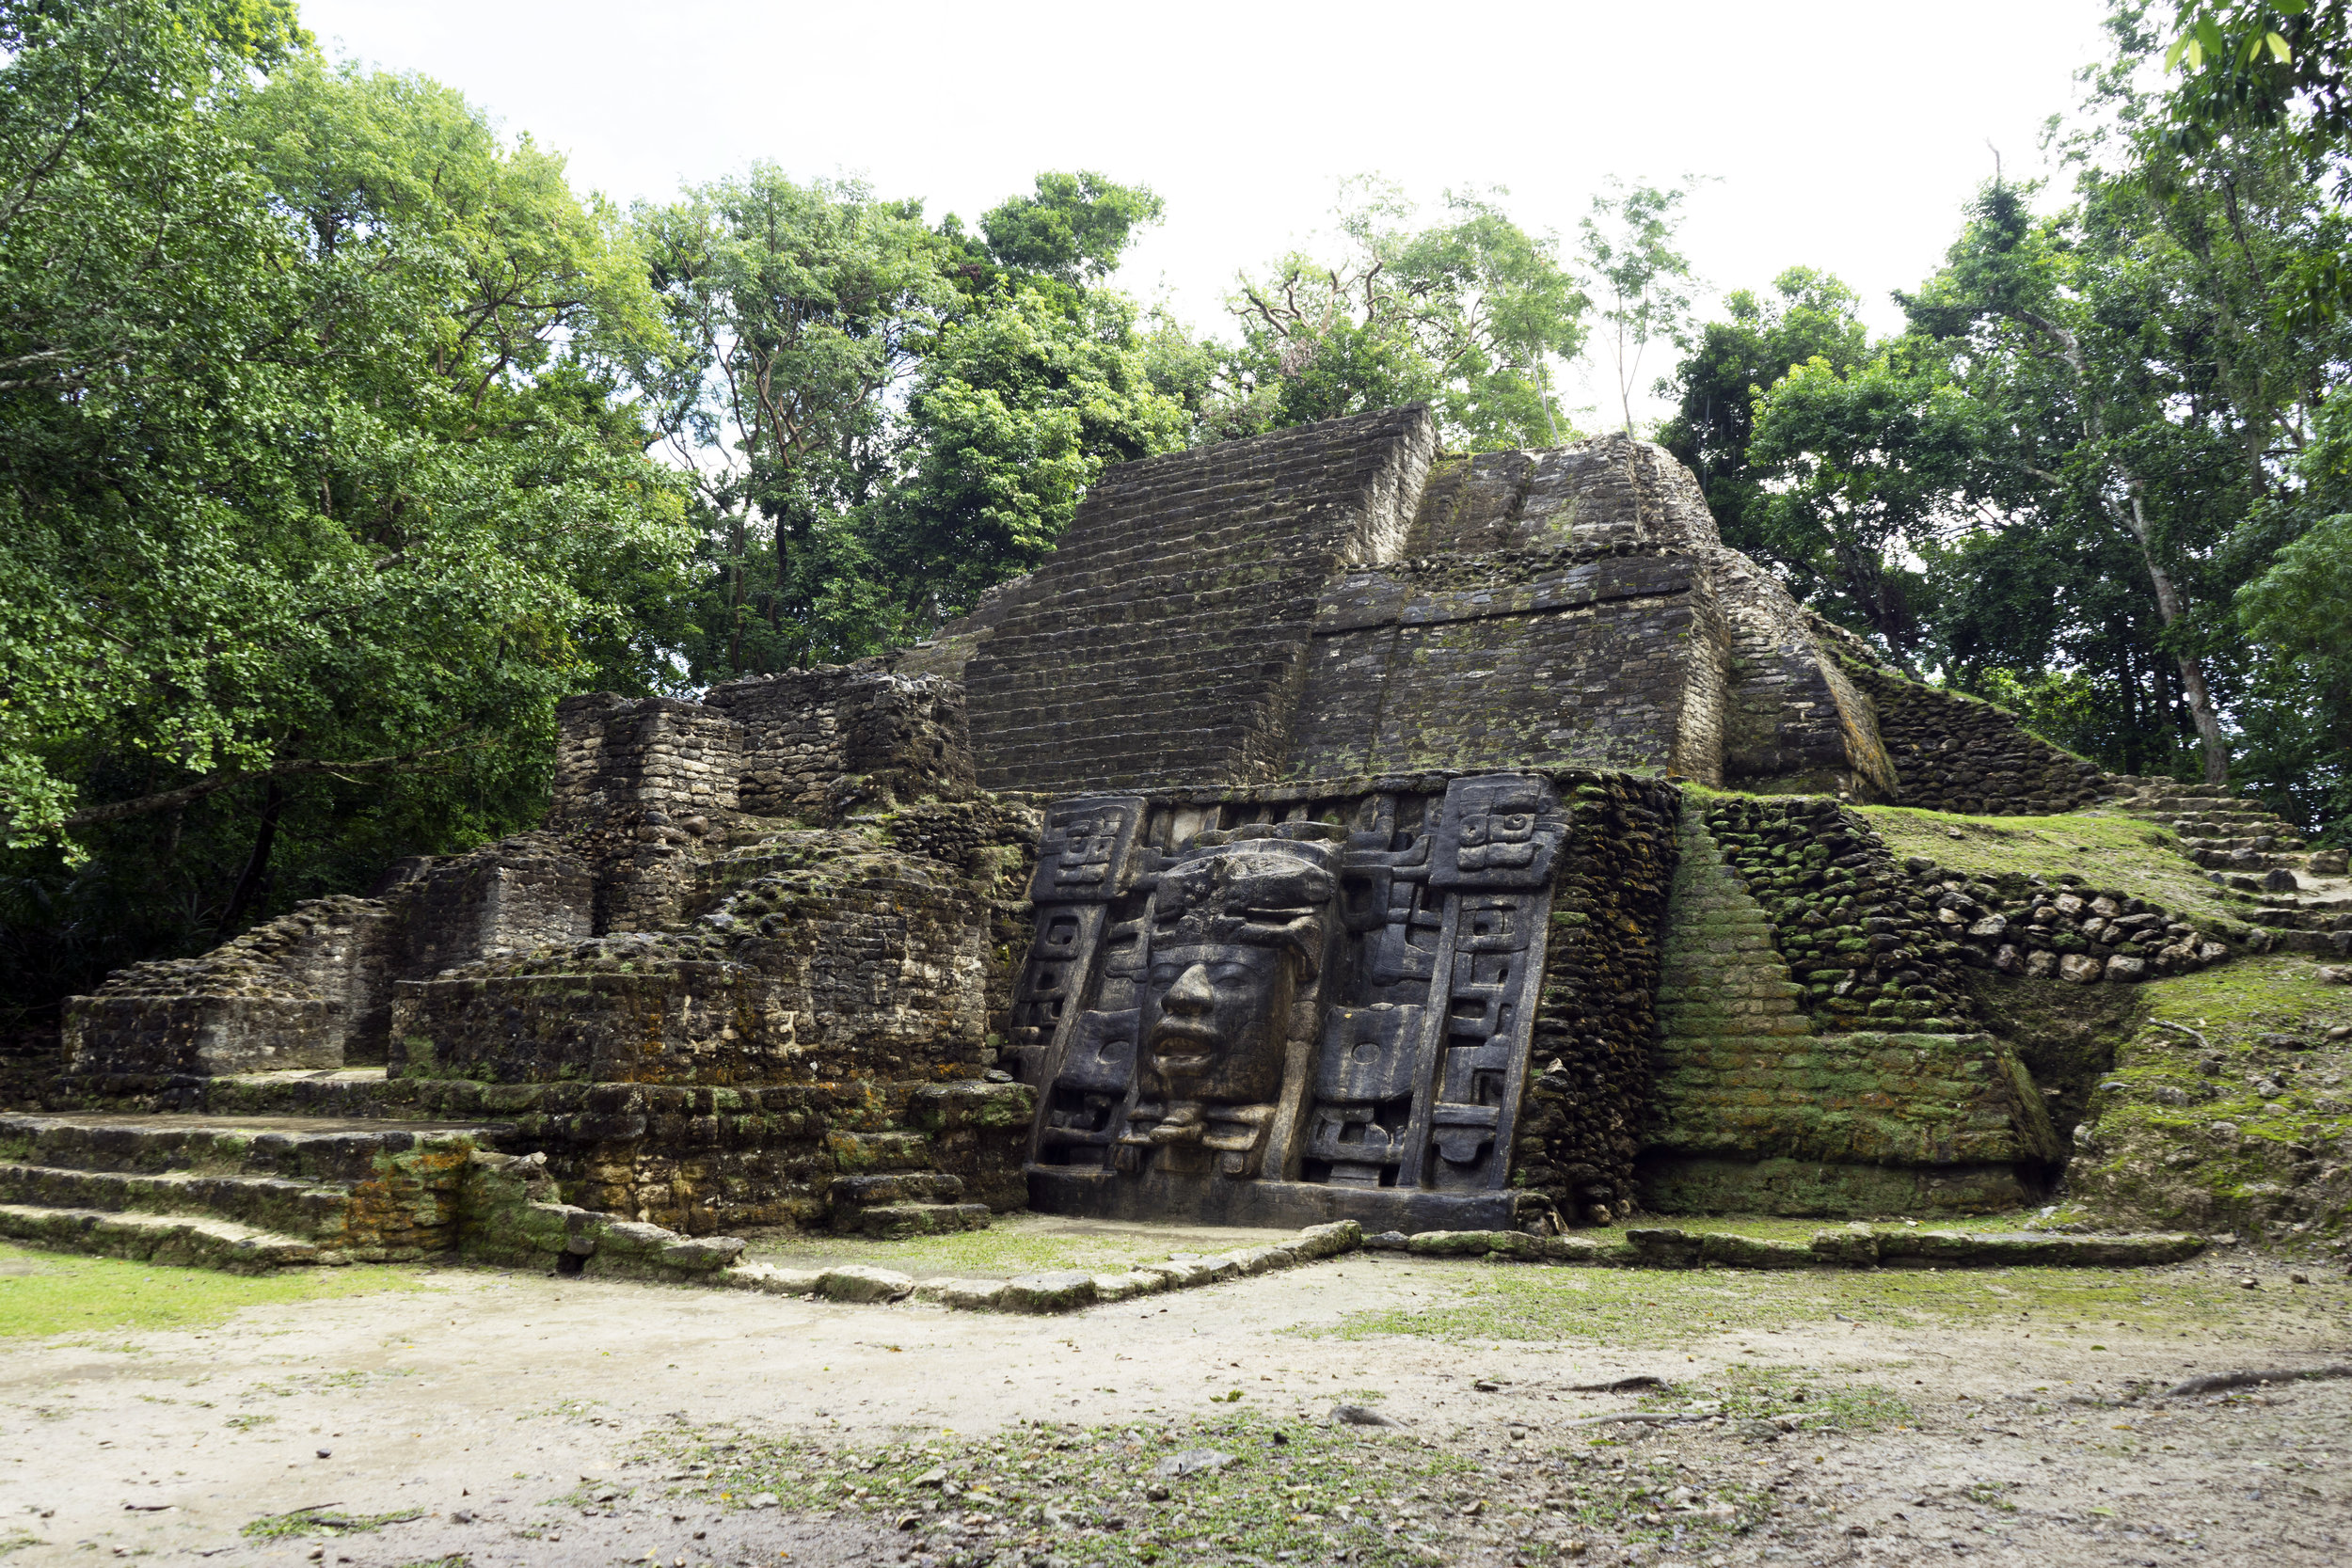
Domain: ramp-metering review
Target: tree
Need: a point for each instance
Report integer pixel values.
(1850, 473)
(2269, 67)
(1808, 315)
(316, 498)
(2296, 612)
(2140, 379)
(1642, 282)
(1073, 229)
(885, 418)
(1468, 314)
(1014, 413)
(798, 310)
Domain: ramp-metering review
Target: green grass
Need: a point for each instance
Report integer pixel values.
(2232, 1006)
(1301, 1489)
(1024, 1244)
(1634, 1307)
(1758, 1392)
(2109, 848)
(1776, 1227)
(51, 1292)
(320, 1521)
(2212, 1132)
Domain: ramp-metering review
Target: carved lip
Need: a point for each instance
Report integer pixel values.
(1181, 1031)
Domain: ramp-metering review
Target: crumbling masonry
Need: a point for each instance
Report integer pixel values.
(1332, 828)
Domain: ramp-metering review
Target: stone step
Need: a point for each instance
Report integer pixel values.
(2328, 944)
(863, 1153)
(186, 1241)
(267, 1203)
(898, 1221)
(302, 1149)
(2313, 917)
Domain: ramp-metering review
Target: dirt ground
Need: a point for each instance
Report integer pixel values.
(532, 1420)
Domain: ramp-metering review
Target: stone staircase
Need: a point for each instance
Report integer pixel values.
(245, 1193)
(897, 1204)
(2305, 898)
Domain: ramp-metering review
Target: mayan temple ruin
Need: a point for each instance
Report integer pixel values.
(1331, 830)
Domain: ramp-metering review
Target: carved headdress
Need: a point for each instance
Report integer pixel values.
(1259, 893)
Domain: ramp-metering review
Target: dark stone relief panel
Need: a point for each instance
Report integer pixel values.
(1340, 1000)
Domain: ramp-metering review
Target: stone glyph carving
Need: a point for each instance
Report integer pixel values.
(1298, 1006)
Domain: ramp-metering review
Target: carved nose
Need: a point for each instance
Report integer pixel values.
(1192, 992)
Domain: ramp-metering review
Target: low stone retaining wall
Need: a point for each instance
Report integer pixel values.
(1854, 1246)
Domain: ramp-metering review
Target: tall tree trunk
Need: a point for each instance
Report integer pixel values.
(2209, 739)
(257, 864)
(735, 603)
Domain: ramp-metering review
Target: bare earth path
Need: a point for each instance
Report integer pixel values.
(536, 1420)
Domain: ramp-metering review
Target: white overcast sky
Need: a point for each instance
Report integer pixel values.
(1841, 135)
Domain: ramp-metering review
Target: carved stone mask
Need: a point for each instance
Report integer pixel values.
(1233, 932)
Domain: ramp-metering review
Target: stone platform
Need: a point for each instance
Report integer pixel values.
(244, 1193)
(1332, 830)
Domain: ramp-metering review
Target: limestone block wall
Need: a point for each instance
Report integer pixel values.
(1575, 657)
(517, 893)
(805, 729)
(1954, 752)
(1166, 639)
(637, 784)
(1598, 495)
(1866, 942)
(1331, 602)
(312, 988)
(701, 1159)
(1581, 1127)
(285, 994)
(1759, 1105)
(861, 965)
(2067, 928)
(1794, 720)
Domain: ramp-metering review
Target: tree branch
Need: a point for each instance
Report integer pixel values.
(170, 799)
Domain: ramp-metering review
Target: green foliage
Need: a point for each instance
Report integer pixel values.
(1468, 315)
(2298, 614)
(317, 493)
(1865, 463)
(794, 310)
(2051, 485)
(1016, 410)
(1642, 282)
(1809, 315)
(884, 419)
(1074, 230)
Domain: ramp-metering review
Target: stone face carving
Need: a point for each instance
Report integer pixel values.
(1284, 1017)
(1237, 934)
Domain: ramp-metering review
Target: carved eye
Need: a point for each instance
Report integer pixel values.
(1518, 822)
